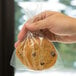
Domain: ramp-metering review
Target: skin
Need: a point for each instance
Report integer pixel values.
(56, 26)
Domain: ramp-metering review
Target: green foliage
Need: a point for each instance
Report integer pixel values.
(18, 15)
(66, 2)
(68, 54)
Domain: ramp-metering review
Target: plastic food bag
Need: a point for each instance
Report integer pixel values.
(36, 52)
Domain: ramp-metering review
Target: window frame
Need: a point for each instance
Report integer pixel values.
(6, 36)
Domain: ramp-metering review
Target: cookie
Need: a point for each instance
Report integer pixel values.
(20, 52)
(37, 53)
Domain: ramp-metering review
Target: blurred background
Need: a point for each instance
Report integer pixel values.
(67, 51)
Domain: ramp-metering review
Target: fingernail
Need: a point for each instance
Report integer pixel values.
(16, 44)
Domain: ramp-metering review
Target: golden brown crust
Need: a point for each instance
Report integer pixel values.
(38, 54)
(20, 51)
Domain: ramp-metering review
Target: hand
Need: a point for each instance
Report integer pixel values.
(56, 26)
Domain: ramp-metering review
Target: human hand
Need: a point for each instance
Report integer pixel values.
(56, 26)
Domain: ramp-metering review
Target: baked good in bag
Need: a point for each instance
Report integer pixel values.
(37, 53)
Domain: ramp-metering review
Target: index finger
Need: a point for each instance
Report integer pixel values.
(24, 30)
(22, 33)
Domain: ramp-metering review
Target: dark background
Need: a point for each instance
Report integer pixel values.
(6, 36)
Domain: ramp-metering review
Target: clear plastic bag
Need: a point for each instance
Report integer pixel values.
(30, 40)
(33, 39)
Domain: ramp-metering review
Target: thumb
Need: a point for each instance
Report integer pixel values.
(42, 24)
